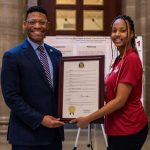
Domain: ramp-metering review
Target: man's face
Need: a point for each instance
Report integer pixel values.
(36, 26)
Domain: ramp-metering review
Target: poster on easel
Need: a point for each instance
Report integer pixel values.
(82, 46)
(90, 45)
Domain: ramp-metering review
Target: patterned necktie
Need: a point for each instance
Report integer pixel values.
(44, 62)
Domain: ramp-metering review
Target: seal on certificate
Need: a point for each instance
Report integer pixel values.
(81, 65)
(71, 110)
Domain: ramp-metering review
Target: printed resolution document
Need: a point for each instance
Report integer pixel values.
(80, 88)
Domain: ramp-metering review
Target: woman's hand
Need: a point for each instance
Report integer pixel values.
(82, 122)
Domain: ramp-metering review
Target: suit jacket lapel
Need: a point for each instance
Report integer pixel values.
(30, 53)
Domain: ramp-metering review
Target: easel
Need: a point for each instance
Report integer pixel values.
(88, 145)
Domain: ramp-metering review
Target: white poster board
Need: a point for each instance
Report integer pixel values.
(89, 45)
(83, 46)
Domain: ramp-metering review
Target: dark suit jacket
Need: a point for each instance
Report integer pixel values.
(27, 93)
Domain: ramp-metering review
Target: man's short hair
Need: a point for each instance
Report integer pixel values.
(36, 9)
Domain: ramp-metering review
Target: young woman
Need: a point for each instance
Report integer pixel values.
(125, 120)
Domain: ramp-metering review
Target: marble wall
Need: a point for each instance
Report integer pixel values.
(139, 11)
(11, 33)
(147, 56)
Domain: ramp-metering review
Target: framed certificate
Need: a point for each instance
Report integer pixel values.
(93, 2)
(66, 2)
(65, 20)
(81, 86)
(93, 20)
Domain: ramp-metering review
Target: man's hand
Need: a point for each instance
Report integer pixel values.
(51, 122)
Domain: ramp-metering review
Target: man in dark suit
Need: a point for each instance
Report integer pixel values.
(31, 90)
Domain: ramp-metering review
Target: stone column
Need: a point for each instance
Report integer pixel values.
(147, 57)
(139, 11)
(32, 3)
(128, 8)
(142, 28)
(11, 33)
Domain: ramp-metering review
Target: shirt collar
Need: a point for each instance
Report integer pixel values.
(33, 44)
(130, 50)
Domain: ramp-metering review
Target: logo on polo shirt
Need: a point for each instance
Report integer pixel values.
(116, 70)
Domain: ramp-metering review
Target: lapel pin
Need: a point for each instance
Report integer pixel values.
(51, 50)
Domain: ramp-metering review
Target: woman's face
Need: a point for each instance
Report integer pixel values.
(121, 34)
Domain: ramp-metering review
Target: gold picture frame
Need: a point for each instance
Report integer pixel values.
(65, 20)
(93, 20)
(93, 2)
(65, 2)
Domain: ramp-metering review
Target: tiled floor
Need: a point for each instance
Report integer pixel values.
(98, 141)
